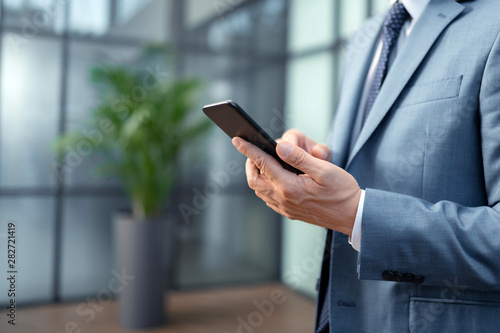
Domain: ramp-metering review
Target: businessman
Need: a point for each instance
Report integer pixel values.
(411, 198)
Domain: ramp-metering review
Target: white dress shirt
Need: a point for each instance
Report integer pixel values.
(415, 8)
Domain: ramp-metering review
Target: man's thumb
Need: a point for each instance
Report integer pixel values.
(298, 158)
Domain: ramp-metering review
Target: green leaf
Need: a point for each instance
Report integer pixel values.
(143, 127)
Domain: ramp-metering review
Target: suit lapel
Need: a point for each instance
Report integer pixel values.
(360, 51)
(436, 17)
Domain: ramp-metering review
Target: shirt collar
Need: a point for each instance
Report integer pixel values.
(415, 7)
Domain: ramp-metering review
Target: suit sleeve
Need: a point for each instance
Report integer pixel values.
(443, 242)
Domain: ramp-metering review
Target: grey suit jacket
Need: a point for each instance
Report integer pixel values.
(429, 159)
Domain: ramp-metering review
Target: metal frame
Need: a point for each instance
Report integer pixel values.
(60, 175)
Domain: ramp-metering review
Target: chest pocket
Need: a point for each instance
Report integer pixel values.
(432, 91)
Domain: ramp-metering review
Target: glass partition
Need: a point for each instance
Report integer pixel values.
(280, 60)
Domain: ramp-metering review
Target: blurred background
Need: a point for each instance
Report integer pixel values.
(280, 60)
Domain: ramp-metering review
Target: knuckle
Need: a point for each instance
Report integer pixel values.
(300, 160)
(248, 162)
(260, 163)
(288, 195)
(251, 182)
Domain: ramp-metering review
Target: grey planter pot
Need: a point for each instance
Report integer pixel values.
(142, 253)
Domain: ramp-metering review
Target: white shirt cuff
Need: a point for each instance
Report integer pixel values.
(355, 239)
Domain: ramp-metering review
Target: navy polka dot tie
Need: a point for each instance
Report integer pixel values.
(392, 27)
(324, 317)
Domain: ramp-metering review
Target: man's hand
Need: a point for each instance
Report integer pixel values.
(325, 195)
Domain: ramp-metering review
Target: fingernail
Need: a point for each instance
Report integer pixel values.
(236, 142)
(284, 149)
(324, 153)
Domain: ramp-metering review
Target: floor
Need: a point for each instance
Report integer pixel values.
(255, 309)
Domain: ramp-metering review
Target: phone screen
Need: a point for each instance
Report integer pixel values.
(231, 118)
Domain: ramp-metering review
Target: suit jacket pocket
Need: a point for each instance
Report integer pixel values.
(448, 315)
(432, 91)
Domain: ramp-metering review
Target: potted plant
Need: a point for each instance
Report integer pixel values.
(145, 117)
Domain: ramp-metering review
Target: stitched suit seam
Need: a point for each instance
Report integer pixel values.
(488, 59)
(423, 166)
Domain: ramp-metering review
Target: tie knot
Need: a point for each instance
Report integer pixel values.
(396, 18)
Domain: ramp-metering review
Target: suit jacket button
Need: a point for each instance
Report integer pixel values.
(388, 276)
(398, 277)
(418, 279)
(408, 277)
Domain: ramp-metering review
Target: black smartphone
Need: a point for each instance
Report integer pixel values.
(231, 118)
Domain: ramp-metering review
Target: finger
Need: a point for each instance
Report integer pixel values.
(299, 139)
(322, 151)
(263, 161)
(261, 184)
(256, 180)
(293, 136)
(251, 170)
(298, 158)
